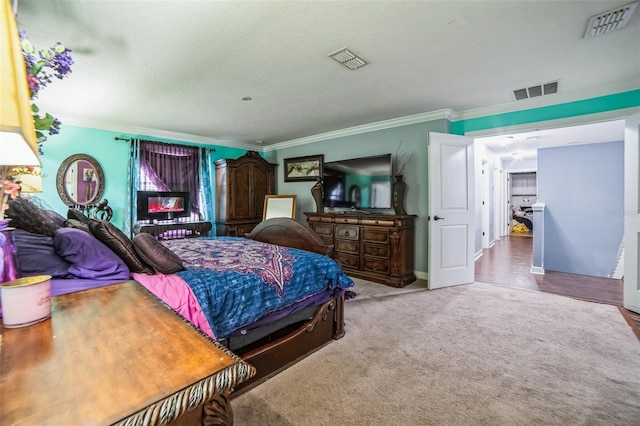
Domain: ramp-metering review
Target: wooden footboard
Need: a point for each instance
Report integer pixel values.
(287, 232)
(279, 351)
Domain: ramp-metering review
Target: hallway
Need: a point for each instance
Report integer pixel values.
(508, 263)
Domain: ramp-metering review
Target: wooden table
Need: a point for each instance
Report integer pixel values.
(114, 355)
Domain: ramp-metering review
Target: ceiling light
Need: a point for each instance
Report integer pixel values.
(611, 20)
(348, 59)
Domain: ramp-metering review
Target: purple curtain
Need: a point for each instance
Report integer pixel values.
(172, 168)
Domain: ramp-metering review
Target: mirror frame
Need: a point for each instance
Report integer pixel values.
(278, 206)
(60, 179)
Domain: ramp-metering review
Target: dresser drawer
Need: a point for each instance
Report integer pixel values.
(375, 265)
(347, 246)
(323, 229)
(347, 232)
(347, 260)
(376, 250)
(352, 220)
(326, 240)
(375, 235)
(378, 222)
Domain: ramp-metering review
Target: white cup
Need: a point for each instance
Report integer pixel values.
(25, 301)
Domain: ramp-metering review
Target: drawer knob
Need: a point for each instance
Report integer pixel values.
(346, 233)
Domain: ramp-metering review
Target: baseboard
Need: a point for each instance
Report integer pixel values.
(422, 275)
(478, 255)
(537, 270)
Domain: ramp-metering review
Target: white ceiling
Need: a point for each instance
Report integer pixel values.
(149, 67)
(524, 145)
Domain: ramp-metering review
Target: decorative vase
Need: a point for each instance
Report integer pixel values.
(399, 188)
(316, 192)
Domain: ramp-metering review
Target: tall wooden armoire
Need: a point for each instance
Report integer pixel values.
(241, 185)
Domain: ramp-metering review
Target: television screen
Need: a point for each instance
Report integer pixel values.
(359, 183)
(162, 205)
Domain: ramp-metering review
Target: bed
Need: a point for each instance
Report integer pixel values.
(300, 289)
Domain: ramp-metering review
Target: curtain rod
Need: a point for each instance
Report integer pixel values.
(176, 144)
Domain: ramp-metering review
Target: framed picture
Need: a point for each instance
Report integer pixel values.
(303, 168)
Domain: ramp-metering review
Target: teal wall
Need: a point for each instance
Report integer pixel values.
(617, 101)
(113, 157)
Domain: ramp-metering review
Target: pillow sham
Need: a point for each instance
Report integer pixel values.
(161, 258)
(77, 215)
(89, 257)
(37, 255)
(77, 224)
(121, 245)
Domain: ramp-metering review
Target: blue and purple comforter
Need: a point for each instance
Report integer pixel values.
(237, 281)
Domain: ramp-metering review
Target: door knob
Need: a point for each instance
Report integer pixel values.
(436, 217)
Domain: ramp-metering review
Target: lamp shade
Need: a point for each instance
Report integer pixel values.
(18, 144)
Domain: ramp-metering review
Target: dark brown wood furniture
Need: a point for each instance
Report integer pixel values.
(285, 347)
(241, 185)
(375, 247)
(114, 355)
(166, 231)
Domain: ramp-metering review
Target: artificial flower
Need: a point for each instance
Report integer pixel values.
(42, 67)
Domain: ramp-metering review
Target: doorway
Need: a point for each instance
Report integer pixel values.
(508, 260)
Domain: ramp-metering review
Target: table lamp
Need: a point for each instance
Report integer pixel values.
(18, 144)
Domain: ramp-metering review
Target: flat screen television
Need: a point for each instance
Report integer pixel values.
(162, 205)
(358, 183)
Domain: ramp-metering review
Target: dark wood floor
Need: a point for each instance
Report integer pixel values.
(508, 263)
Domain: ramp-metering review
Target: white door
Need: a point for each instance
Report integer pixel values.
(631, 299)
(451, 210)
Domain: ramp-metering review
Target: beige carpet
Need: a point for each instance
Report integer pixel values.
(467, 355)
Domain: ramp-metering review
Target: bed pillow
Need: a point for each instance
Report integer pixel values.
(37, 255)
(121, 245)
(77, 215)
(89, 258)
(77, 224)
(161, 258)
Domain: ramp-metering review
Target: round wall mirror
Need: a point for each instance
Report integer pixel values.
(80, 180)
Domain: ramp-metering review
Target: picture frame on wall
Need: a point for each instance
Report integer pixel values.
(303, 168)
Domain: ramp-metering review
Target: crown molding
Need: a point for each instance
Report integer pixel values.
(380, 125)
(549, 100)
(154, 133)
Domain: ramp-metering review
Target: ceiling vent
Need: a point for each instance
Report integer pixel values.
(535, 91)
(348, 59)
(612, 20)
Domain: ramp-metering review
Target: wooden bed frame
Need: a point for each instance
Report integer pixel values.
(284, 348)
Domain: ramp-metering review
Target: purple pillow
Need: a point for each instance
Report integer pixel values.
(89, 257)
(37, 255)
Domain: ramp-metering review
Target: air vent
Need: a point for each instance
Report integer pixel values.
(535, 91)
(348, 59)
(612, 20)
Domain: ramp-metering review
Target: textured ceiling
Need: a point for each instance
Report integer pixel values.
(183, 66)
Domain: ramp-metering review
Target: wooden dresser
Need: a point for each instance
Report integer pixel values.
(241, 185)
(115, 355)
(375, 247)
